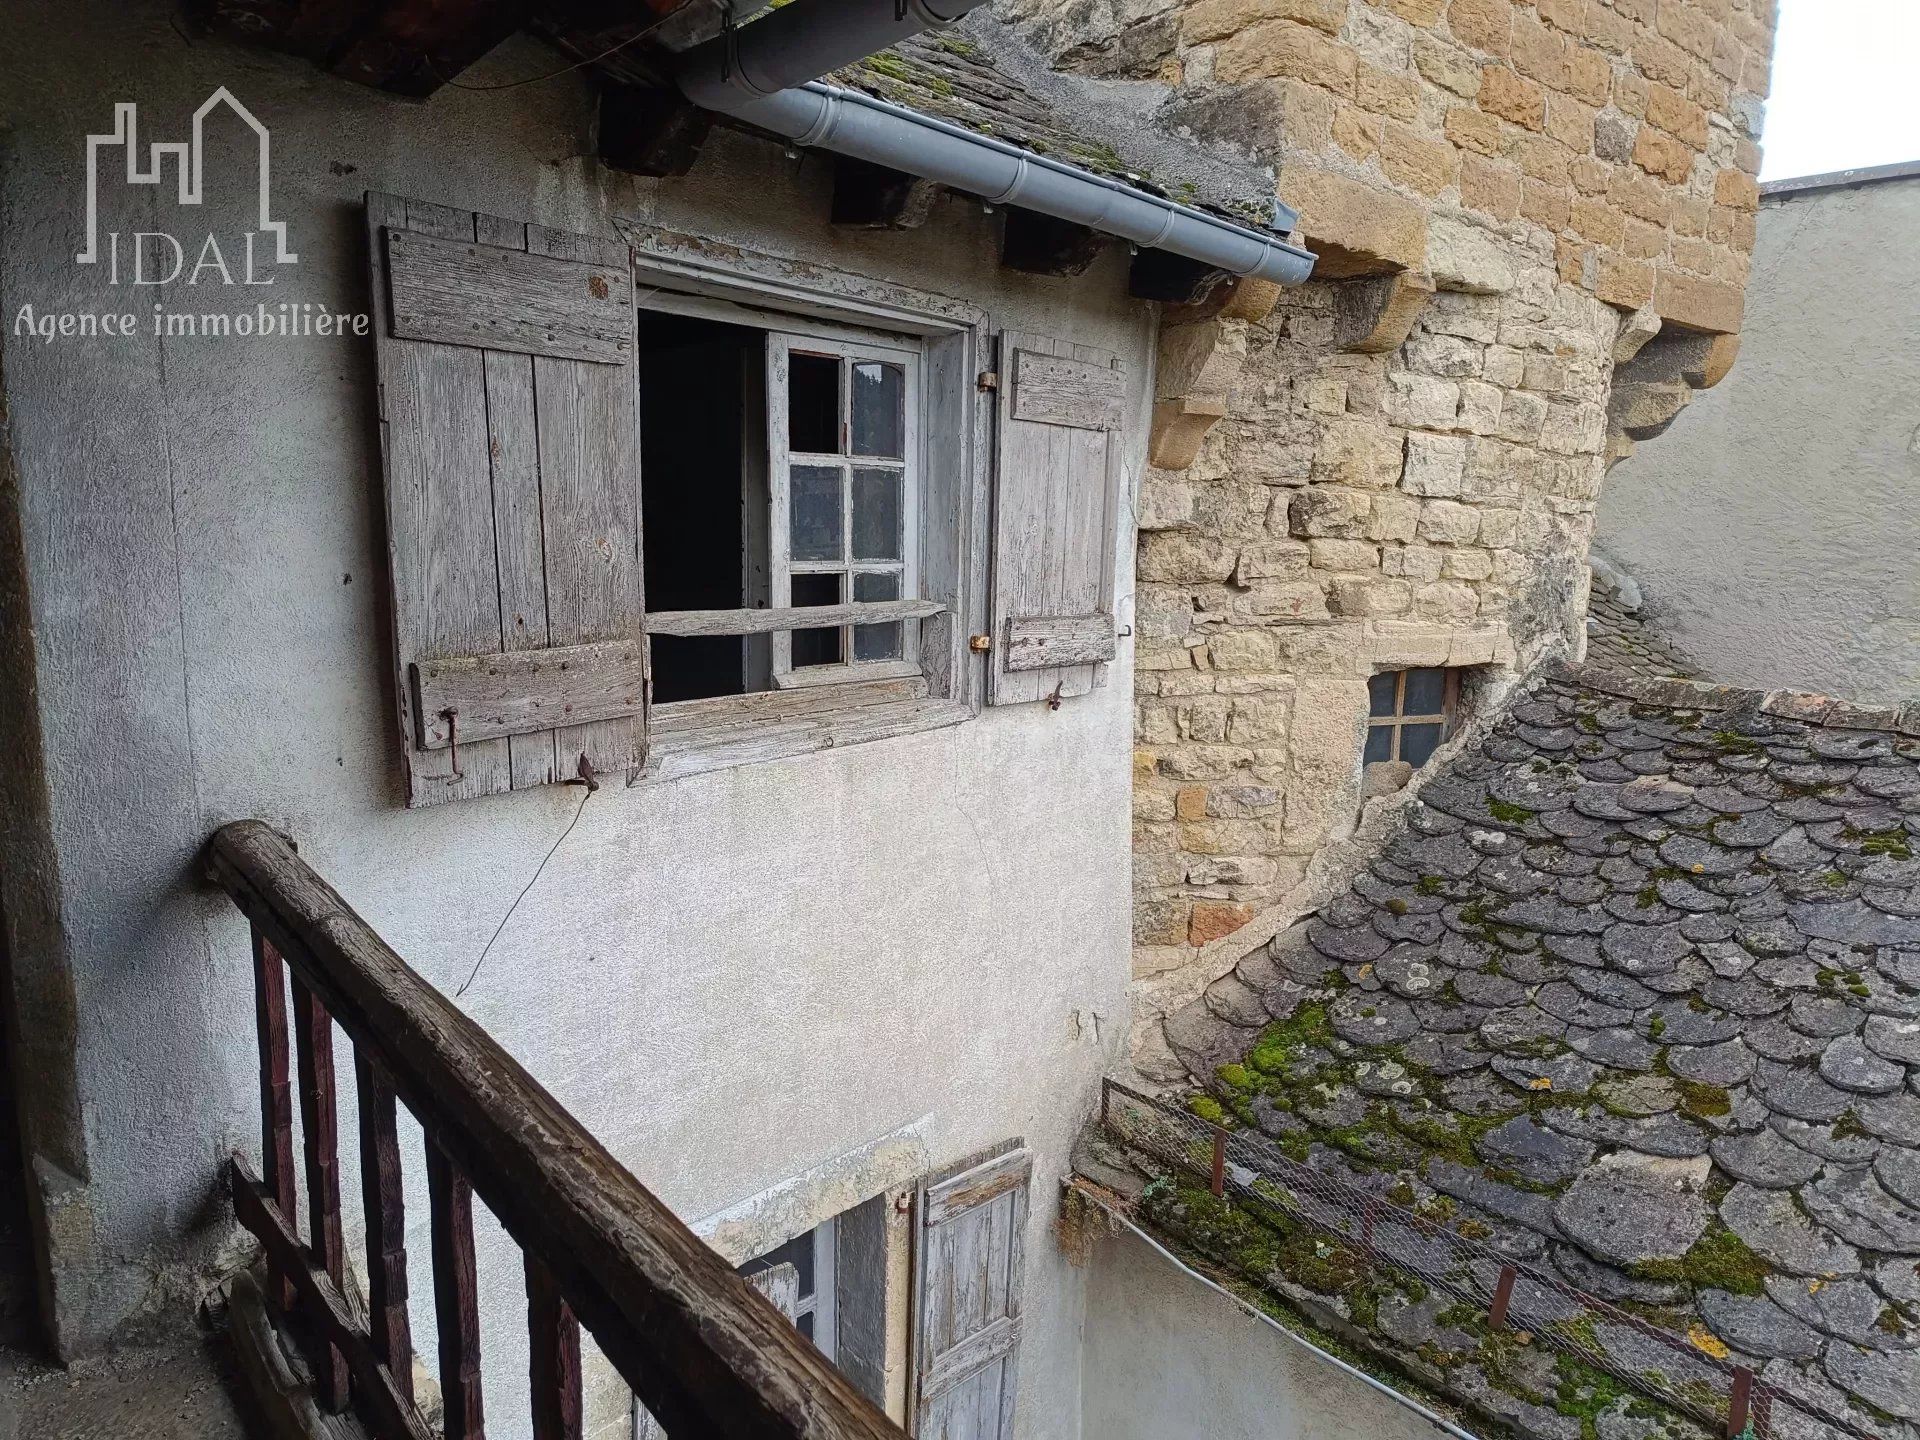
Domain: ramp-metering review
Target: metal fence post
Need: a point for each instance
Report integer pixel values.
(1502, 1298)
(1219, 1162)
(1742, 1400)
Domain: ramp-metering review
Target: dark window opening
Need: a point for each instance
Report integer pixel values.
(1409, 713)
(703, 468)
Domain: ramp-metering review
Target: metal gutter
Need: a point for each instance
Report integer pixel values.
(1840, 179)
(734, 80)
(1432, 1417)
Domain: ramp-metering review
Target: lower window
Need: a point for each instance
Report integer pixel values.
(1409, 713)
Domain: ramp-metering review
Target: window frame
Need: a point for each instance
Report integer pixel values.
(781, 347)
(1397, 720)
(691, 275)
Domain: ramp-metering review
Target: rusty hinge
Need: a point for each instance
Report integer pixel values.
(989, 380)
(980, 644)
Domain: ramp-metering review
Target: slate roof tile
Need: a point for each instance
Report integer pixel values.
(1629, 1025)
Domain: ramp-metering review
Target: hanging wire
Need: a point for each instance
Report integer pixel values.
(637, 35)
(474, 974)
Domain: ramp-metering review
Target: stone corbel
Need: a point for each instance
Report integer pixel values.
(1373, 315)
(1203, 350)
(1658, 379)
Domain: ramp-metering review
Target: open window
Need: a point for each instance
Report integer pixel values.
(780, 496)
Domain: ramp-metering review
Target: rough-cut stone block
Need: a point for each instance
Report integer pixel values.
(1435, 464)
(1344, 555)
(1289, 49)
(1358, 452)
(1361, 228)
(1484, 24)
(1356, 596)
(1420, 400)
(1511, 96)
(1325, 510)
(1448, 522)
(1464, 256)
(1271, 560)
(1700, 304)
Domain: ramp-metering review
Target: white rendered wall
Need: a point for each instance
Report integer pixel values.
(1775, 529)
(1172, 1358)
(732, 979)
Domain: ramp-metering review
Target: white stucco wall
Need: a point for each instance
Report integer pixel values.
(731, 978)
(1173, 1358)
(1775, 528)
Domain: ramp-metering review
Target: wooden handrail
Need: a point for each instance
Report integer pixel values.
(705, 1353)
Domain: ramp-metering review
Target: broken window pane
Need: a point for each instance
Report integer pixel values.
(1380, 691)
(822, 646)
(876, 642)
(813, 514)
(1426, 692)
(1418, 742)
(879, 416)
(813, 404)
(876, 514)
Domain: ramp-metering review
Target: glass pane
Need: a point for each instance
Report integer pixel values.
(1380, 693)
(876, 642)
(1418, 742)
(1426, 692)
(876, 514)
(879, 415)
(823, 646)
(813, 404)
(814, 522)
(1379, 743)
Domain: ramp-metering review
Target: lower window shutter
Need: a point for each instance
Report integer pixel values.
(967, 1281)
(509, 429)
(1055, 502)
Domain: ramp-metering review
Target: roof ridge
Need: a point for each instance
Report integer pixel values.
(1801, 705)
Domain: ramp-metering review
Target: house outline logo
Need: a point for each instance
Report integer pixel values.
(189, 168)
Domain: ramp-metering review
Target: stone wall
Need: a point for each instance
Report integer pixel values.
(1397, 463)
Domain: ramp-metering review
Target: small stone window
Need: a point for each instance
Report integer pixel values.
(1409, 712)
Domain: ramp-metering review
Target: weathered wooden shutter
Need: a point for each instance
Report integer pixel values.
(967, 1306)
(1056, 500)
(509, 424)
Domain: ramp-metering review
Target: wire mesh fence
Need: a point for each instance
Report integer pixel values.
(1519, 1300)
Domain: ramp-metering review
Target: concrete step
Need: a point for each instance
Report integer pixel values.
(176, 1384)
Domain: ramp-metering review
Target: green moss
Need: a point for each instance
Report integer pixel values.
(1657, 1026)
(1396, 906)
(1207, 1108)
(958, 45)
(1721, 1260)
(1588, 722)
(1890, 842)
(1648, 897)
(1584, 1394)
(1235, 1077)
(1848, 1126)
(1429, 884)
(1728, 743)
(1697, 1098)
(1508, 814)
(1285, 1041)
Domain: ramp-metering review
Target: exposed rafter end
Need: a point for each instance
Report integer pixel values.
(1173, 279)
(651, 132)
(1039, 244)
(413, 47)
(874, 197)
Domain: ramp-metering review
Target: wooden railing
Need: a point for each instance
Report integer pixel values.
(706, 1355)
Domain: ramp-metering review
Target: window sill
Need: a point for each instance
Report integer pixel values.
(693, 737)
